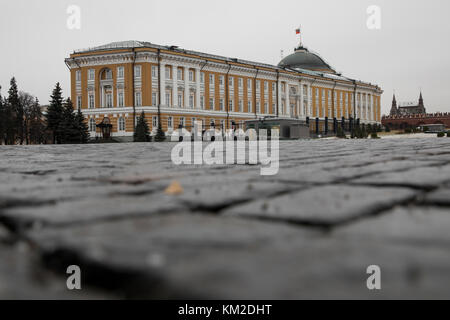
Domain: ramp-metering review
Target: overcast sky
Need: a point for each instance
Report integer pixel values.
(409, 52)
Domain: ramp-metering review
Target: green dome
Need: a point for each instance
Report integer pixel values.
(302, 58)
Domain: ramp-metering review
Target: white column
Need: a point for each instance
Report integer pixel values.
(287, 104)
(279, 98)
(310, 97)
(186, 87)
(302, 113)
(162, 84)
(102, 97)
(197, 91)
(175, 86)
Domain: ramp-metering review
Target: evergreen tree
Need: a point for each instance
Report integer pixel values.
(68, 128)
(160, 136)
(83, 131)
(36, 126)
(55, 113)
(142, 132)
(11, 108)
(340, 133)
(2, 118)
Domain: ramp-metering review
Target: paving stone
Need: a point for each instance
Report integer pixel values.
(196, 256)
(92, 209)
(231, 233)
(22, 276)
(439, 197)
(423, 177)
(325, 205)
(419, 227)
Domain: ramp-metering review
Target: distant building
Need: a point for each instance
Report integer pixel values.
(175, 87)
(407, 109)
(411, 115)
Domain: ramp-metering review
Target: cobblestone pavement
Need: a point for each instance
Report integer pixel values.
(311, 231)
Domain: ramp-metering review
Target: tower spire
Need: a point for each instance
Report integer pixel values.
(394, 110)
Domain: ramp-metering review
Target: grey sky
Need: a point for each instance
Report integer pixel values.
(410, 51)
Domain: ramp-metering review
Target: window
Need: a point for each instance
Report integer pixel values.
(78, 75)
(249, 106)
(138, 99)
(170, 123)
(91, 74)
(266, 86)
(249, 84)
(230, 81)
(191, 101)
(211, 103)
(121, 124)
(221, 104)
(221, 80)
(182, 122)
(120, 99)
(258, 84)
(180, 99)
(137, 71)
(241, 106)
(78, 102)
(154, 72)
(202, 77)
(109, 100)
(154, 99)
(108, 74)
(266, 108)
(231, 106)
(191, 75)
(211, 79)
(240, 83)
(258, 110)
(202, 102)
(273, 107)
(179, 74)
(155, 122)
(120, 73)
(168, 73)
(92, 125)
(273, 88)
(168, 99)
(91, 101)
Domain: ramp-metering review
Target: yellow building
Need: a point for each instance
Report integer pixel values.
(114, 83)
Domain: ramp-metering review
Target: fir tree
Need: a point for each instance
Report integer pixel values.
(11, 108)
(160, 136)
(36, 126)
(2, 118)
(68, 128)
(83, 131)
(55, 113)
(142, 132)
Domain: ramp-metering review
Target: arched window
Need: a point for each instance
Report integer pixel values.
(92, 125)
(121, 124)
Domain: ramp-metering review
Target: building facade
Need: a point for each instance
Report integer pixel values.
(407, 109)
(116, 82)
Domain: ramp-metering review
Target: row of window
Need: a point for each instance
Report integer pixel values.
(108, 73)
(121, 125)
(180, 76)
